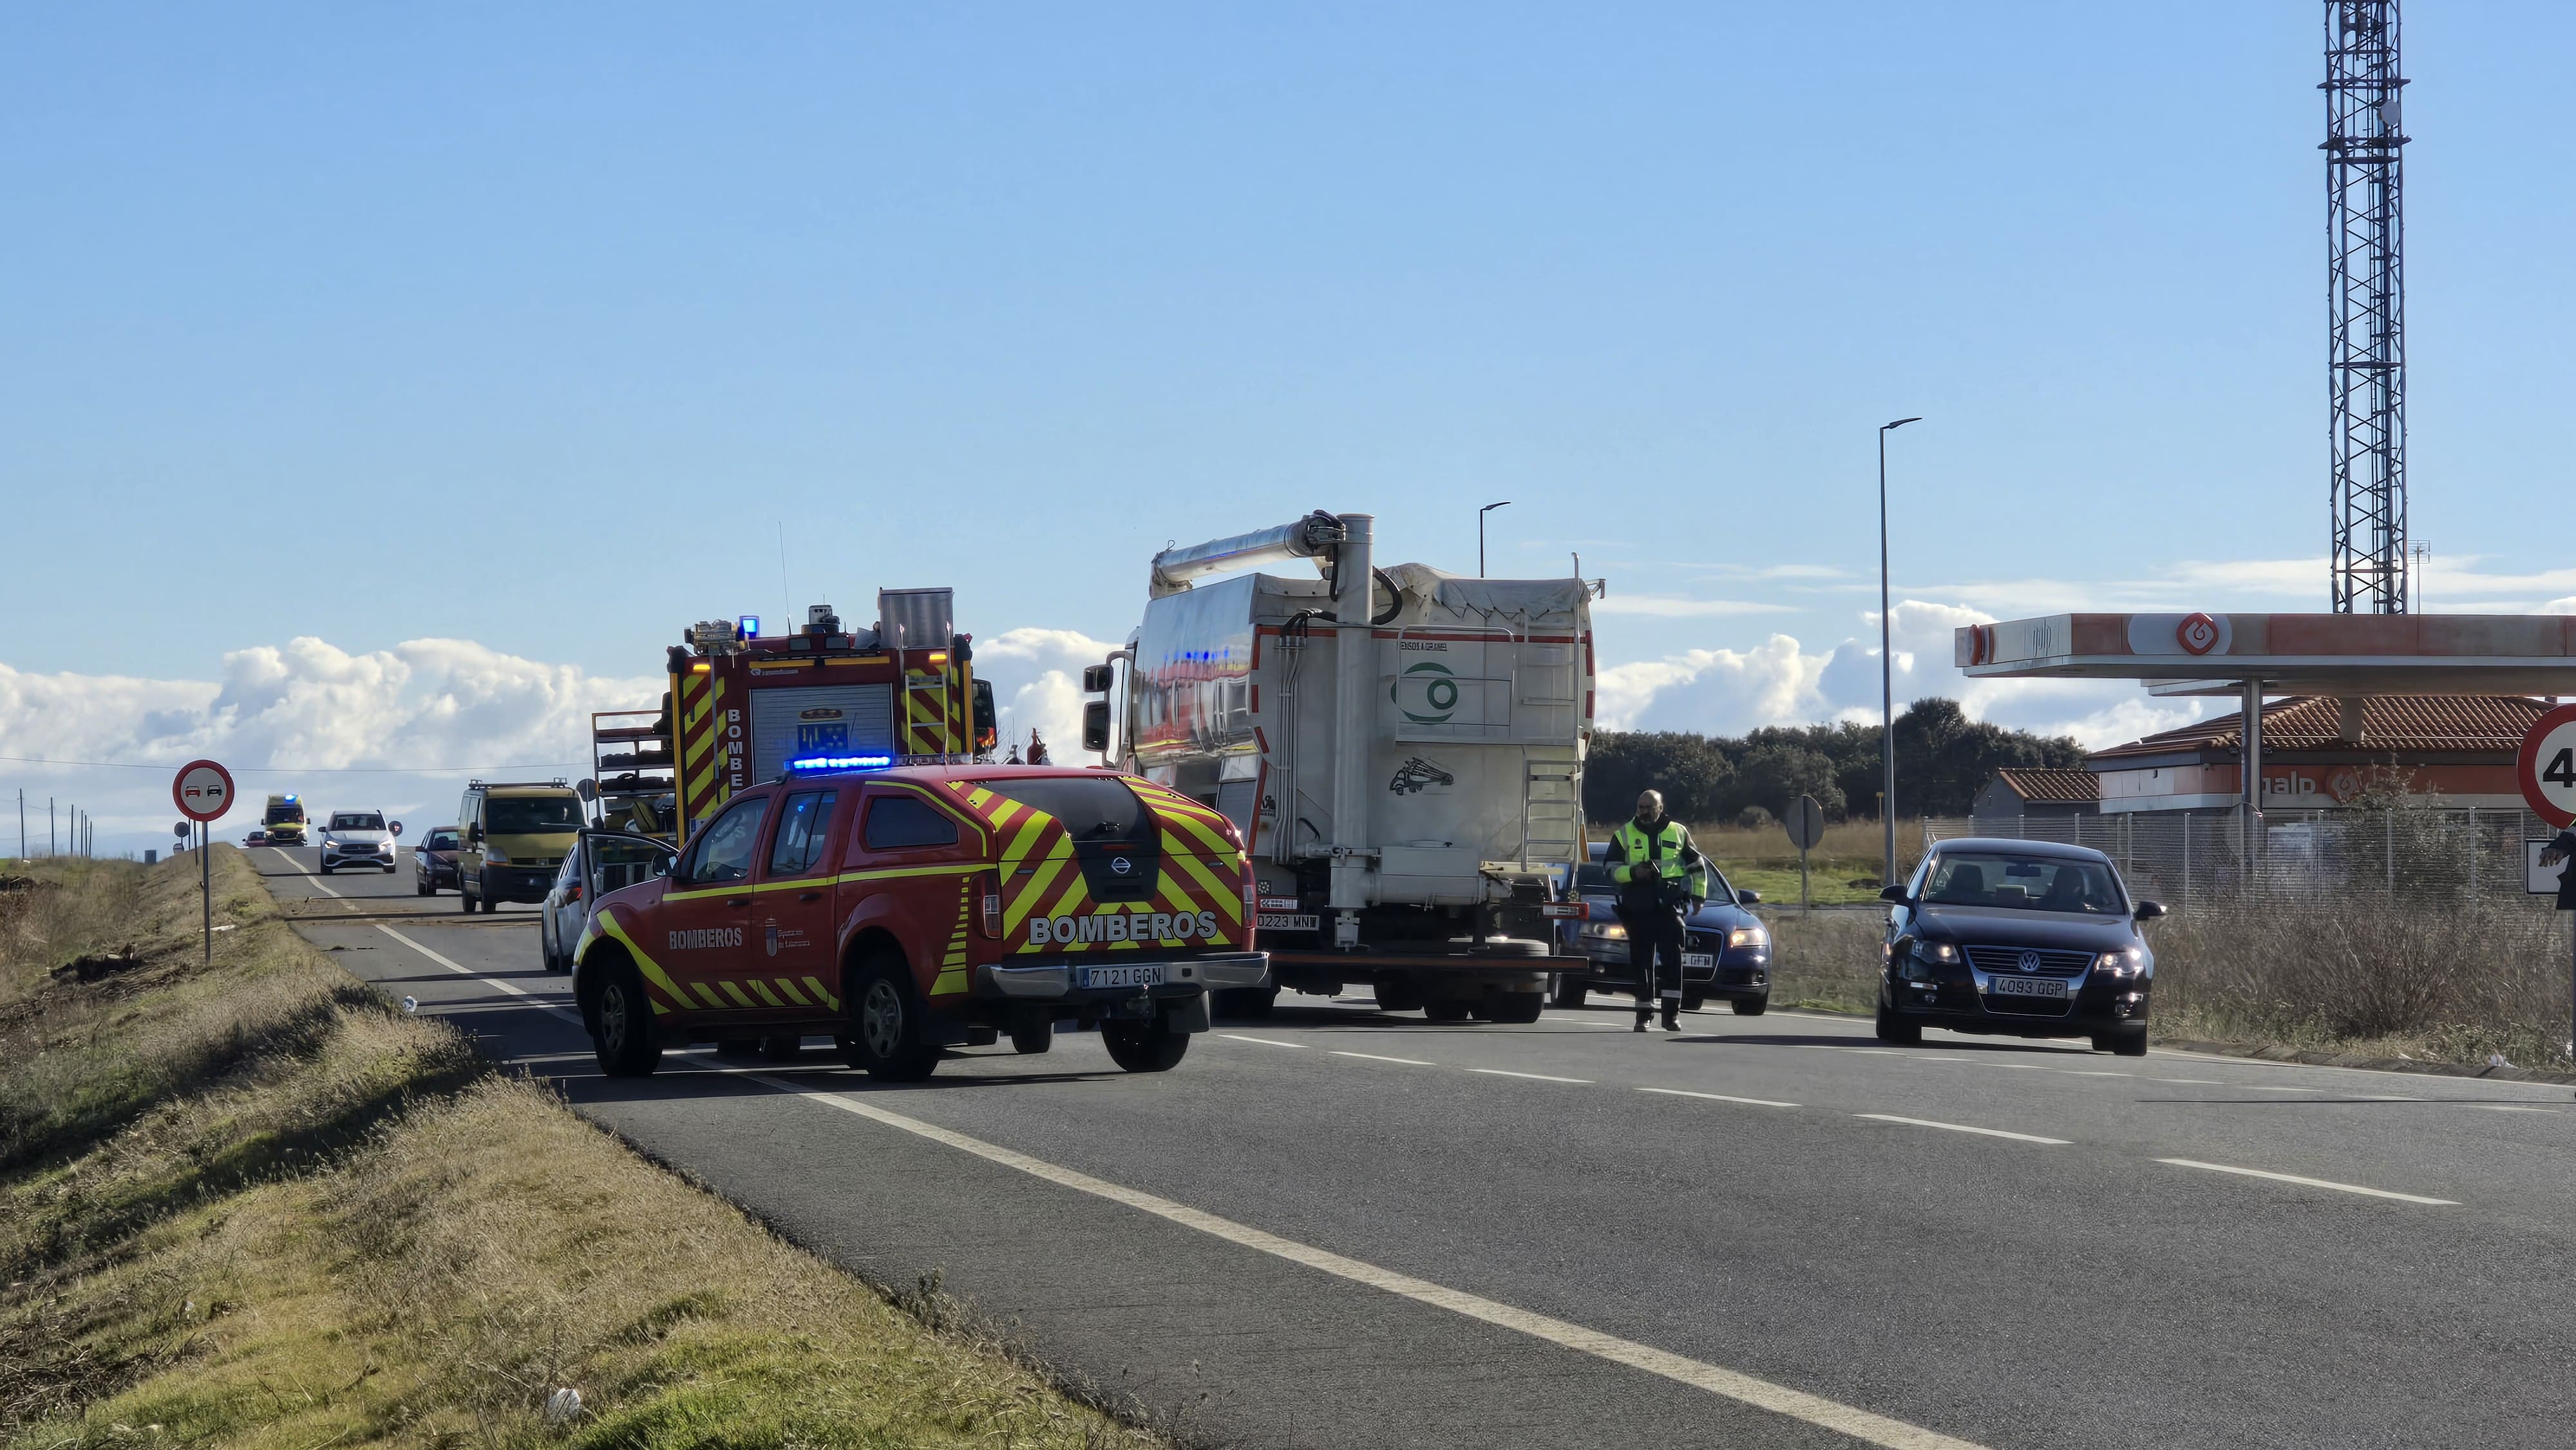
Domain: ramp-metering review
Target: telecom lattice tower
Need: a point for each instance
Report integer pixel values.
(2366, 348)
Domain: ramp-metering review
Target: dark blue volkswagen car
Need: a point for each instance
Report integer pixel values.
(2025, 938)
(1726, 954)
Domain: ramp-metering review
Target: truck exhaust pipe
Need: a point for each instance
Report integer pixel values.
(1355, 700)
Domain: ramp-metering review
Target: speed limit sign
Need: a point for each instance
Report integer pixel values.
(2545, 767)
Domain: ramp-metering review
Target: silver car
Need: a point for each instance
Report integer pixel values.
(563, 914)
(357, 839)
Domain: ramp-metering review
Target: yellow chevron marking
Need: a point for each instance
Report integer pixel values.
(889, 873)
(736, 993)
(1018, 850)
(828, 1000)
(1214, 842)
(1228, 901)
(788, 987)
(1074, 895)
(1035, 892)
(1002, 814)
(761, 990)
(644, 962)
(708, 992)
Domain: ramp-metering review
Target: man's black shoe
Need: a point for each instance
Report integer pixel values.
(1641, 1024)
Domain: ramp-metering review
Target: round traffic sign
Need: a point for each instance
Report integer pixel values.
(2545, 767)
(1805, 822)
(203, 789)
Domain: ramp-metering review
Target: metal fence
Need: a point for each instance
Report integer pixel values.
(2179, 858)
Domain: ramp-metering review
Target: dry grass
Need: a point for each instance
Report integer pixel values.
(251, 1206)
(2444, 981)
(1825, 959)
(1843, 869)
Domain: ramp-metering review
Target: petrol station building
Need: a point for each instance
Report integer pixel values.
(2336, 703)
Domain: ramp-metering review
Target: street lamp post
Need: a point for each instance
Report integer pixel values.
(1480, 533)
(1886, 668)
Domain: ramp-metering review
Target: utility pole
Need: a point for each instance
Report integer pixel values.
(1886, 668)
(50, 845)
(2365, 308)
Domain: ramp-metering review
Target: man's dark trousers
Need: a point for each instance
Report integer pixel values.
(1655, 955)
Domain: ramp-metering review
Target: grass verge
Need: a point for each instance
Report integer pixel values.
(250, 1205)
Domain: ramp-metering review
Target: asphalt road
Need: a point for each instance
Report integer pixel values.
(1340, 1228)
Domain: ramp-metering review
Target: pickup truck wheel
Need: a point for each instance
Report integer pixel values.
(1144, 1046)
(1751, 1006)
(1520, 1007)
(622, 1030)
(886, 1033)
(1031, 1038)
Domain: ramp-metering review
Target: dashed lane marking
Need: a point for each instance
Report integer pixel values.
(2192, 1081)
(1962, 1128)
(1264, 1041)
(1717, 1097)
(1534, 1076)
(1744, 1389)
(2311, 1182)
(513, 988)
(1373, 1057)
(2512, 1108)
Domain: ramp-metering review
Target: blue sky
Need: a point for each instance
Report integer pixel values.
(529, 330)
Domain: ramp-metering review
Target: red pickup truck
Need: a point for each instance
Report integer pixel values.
(907, 910)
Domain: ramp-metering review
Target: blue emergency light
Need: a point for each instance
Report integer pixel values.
(841, 762)
(748, 627)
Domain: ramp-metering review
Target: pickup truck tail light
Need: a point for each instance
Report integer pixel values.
(989, 919)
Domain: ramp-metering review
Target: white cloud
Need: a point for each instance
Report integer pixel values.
(1674, 606)
(1037, 684)
(1782, 682)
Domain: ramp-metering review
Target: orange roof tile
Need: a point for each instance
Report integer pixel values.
(2388, 722)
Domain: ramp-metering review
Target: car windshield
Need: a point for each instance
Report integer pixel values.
(1092, 808)
(285, 815)
(2023, 883)
(527, 815)
(440, 841)
(357, 821)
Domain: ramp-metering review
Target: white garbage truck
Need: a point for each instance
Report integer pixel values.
(1401, 748)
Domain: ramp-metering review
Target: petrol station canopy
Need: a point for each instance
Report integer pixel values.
(2346, 655)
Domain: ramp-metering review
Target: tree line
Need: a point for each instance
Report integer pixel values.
(1943, 759)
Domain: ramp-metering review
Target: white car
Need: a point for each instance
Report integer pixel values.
(357, 838)
(563, 914)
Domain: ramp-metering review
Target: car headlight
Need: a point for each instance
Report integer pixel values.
(2121, 965)
(1936, 951)
(1612, 930)
(1748, 936)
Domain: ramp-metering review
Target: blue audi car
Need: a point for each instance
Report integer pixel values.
(1726, 952)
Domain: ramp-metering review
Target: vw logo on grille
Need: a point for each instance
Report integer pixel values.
(1119, 866)
(2029, 962)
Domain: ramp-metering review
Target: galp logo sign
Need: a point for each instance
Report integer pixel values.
(2197, 634)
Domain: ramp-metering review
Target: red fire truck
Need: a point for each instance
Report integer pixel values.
(743, 706)
(904, 909)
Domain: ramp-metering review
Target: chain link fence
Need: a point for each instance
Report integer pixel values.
(2456, 854)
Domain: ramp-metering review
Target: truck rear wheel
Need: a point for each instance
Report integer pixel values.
(887, 1039)
(1396, 994)
(1144, 1046)
(1518, 1007)
(1447, 1010)
(1571, 991)
(622, 1031)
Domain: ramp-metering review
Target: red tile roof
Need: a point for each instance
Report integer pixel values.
(2045, 783)
(2388, 722)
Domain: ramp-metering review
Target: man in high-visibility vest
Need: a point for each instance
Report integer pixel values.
(1662, 878)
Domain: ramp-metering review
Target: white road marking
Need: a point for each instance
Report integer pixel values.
(1535, 1076)
(2262, 1088)
(1717, 1097)
(2193, 1081)
(1962, 1128)
(513, 988)
(2074, 1072)
(2311, 1182)
(1744, 1389)
(2512, 1108)
(1373, 1057)
(1264, 1041)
